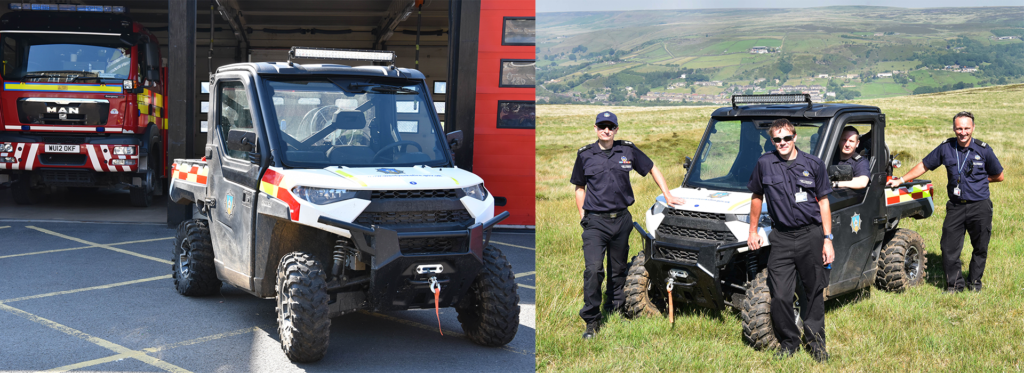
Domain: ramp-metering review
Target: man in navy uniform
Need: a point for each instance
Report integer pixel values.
(970, 166)
(603, 194)
(849, 140)
(797, 187)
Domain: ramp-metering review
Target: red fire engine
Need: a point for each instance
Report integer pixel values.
(82, 101)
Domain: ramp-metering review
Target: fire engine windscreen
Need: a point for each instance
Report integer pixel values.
(356, 122)
(65, 58)
(727, 155)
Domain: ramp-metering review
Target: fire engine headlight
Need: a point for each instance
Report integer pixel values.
(323, 196)
(5, 148)
(477, 191)
(122, 162)
(124, 150)
(8, 160)
(128, 84)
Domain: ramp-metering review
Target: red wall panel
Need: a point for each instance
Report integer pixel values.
(503, 157)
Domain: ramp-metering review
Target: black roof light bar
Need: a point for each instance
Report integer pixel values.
(342, 54)
(772, 99)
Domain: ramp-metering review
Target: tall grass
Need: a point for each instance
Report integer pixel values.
(922, 329)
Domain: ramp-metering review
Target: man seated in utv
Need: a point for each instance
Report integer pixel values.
(849, 140)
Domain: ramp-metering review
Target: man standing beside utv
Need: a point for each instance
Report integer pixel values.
(970, 166)
(796, 185)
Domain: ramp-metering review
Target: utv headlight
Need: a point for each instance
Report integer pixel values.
(477, 191)
(658, 208)
(743, 218)
(322, 196)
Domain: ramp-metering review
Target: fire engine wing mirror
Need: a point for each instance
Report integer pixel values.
(130, 39)
(241, 140)
(454, 139)
(842, 172)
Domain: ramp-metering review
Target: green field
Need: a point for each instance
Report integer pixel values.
(919, 330)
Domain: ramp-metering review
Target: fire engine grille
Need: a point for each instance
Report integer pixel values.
(695, 214)
(413, 217)
(677, 255)
(441, 245)
(696, 234)
(432, 193)
(69, 178)
(51, 159)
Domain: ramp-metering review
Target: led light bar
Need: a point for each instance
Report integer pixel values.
(772, 99)
(67, 8)
(342, 54)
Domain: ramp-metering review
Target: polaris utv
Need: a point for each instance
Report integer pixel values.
(698, 252)
(334, 189)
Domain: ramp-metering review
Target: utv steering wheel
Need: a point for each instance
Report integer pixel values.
(395, 145)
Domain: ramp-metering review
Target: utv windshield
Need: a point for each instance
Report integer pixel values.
(362, 122)
(727, 156)
(65, 58)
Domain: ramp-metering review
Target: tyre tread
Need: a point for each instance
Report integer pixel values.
(490, 316)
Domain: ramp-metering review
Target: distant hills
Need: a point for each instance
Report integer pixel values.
(675, 57)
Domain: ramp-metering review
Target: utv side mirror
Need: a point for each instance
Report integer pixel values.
(454, 139)
(241, 140)
(687, 163)
(842, 172)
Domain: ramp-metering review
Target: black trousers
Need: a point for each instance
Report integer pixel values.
(976, 219)
(792, 252)
(604, 236)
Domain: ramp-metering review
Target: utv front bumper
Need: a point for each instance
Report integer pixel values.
(400, 281)
(694, 270)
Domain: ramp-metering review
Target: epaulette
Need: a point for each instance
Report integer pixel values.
(857, 157)
(585, 147)
(981, 143)
(951, 140)
(624, 142)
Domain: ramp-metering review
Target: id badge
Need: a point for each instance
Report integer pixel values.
(956, 191)
(802, 197)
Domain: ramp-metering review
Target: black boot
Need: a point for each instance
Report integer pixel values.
(592, 328)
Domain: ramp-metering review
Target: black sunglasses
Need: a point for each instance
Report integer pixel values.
(781, 139)
(607, 126)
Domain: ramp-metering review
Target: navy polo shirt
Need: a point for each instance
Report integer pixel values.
(859, 164)
(977, 163)
(606, 176)
(779, 183)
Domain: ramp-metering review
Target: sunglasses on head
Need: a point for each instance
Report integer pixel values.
(781, 139)
(607, 126)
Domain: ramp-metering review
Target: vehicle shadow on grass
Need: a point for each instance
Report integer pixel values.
(935, 275)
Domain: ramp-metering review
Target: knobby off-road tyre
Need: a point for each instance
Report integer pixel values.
(489, 313)
(193, 269)
(902, 262)
(302, 317)
(640, 294)
(21, 190)
(757, 314)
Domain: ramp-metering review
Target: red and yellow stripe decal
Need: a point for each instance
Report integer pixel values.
(192, 174)
(63, 87)
(903, 194)
(151, 108)
(270, 184)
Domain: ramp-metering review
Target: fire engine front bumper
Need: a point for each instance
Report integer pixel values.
(400, 281)
(693, 270)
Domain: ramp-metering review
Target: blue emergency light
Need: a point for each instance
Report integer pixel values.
(68, 8)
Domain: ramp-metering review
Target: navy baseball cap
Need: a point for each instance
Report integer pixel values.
(607, 117)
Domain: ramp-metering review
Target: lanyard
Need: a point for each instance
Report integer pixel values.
(960, 167)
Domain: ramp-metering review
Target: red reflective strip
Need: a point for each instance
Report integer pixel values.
(917, 195)
(194, 170)
(201, 179)
(892, 200)
(272, 177)
(286, 196)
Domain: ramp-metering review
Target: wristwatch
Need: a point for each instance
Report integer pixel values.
(829, 237)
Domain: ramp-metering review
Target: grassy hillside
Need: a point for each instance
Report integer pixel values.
(920, 330)
(838, 41)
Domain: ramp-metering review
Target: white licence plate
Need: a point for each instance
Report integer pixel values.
(61, 148)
